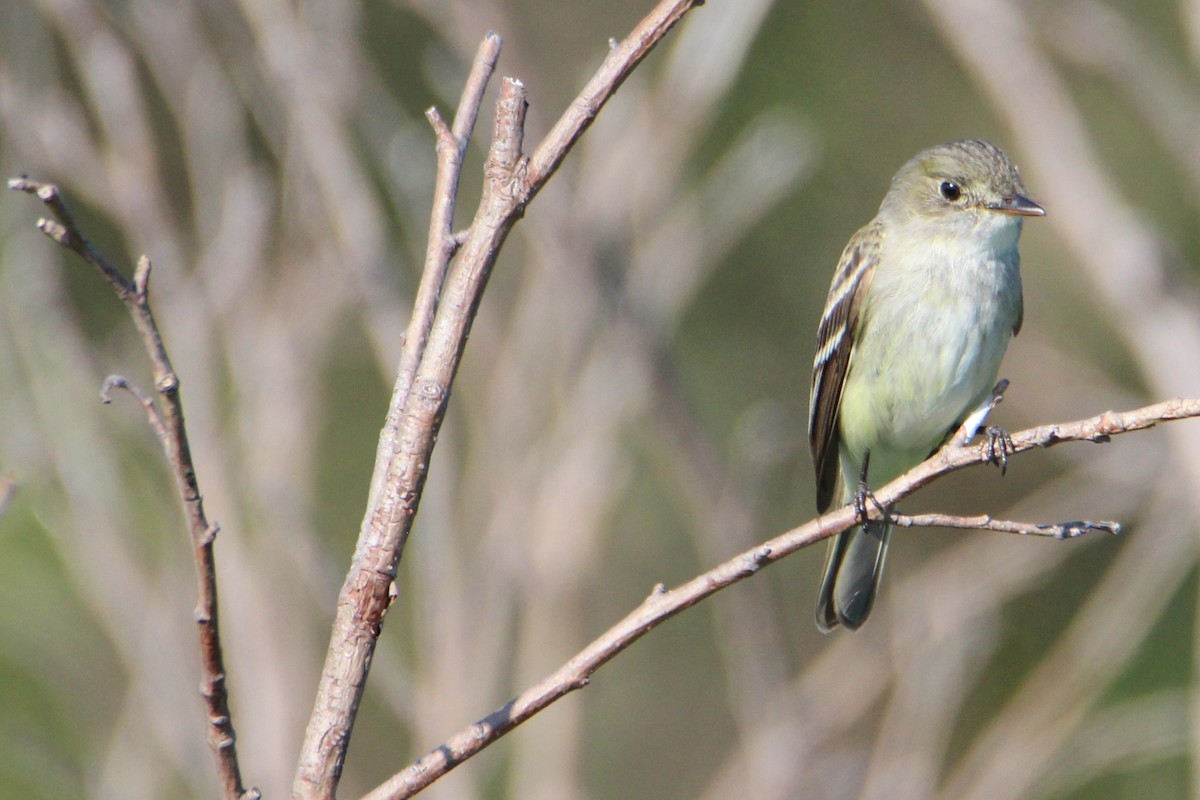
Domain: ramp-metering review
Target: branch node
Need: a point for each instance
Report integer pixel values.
(445, 136)
(167, 383)
(56, 231)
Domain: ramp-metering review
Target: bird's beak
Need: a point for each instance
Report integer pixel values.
(1019, 205)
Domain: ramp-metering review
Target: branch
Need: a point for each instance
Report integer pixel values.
(511, 179)
(622, 59)
(451, 148)
(662, 604)
(985, 522)
(170, 429)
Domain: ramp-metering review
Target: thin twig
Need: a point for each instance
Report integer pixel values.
(67, 234)
(985, 522)
(662, 604)
(365, 594)
(451, 147)
(509, 185)
(171, 431)
(622, 59)
(145, 400)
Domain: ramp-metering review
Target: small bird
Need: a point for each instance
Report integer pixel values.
(923, 304)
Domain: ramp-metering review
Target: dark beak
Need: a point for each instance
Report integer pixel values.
(1019, 205)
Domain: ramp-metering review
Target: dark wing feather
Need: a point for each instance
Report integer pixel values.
(835, 344)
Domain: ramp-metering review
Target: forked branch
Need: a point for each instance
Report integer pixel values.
(168, 425)
(434, 344)
(662, 604)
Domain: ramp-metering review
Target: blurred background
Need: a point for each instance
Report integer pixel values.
(631, 409)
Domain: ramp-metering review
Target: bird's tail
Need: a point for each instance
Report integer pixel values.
(853, 566)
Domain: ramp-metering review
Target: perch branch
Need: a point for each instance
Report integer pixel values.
(169, 427)
(418, 405)
(662, 604)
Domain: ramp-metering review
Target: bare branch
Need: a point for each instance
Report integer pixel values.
(662, 604)
(67, 234)
(622, 58)
(451, 147)
(418, 407)
(171, 431)
(145, 400)
(985, 522)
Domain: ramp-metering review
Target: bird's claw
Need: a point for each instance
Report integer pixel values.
(864, 495)
(999, 447)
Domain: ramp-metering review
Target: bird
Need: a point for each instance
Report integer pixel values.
(924, 302)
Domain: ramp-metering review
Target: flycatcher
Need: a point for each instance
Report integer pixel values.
(923, 304)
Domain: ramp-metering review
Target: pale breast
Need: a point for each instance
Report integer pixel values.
(933, 336)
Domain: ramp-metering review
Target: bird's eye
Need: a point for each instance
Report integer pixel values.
(950, 190)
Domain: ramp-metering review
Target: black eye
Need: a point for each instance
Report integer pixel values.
(950, 190)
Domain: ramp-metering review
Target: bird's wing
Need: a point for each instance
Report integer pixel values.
(835, 344)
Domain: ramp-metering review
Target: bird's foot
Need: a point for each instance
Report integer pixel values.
(999, 447)
(864, 495)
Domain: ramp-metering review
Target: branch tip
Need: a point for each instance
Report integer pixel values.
(110, 383)
(445, 136)
(141, 277)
